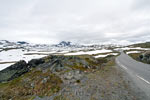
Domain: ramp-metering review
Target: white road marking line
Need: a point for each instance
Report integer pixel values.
(122, 65)
(136, 75)
(143, 79)
(118, 62)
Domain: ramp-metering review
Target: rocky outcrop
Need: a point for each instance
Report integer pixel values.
(14, 71)
(35, 62)
(145, 57)
(52, 62)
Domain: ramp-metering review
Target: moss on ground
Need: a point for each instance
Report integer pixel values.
(91, 63)
(60, 97)
(32, 83)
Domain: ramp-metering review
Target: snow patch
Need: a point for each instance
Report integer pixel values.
(15, 55)
(3, 66)
(138, 48)
(89, 52)
(132, 52)
(98, 56)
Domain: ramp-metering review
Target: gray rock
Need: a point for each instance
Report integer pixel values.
(32, 85)
(14, 71)
(145, 57)
(35, 62)
(45, 80)
(52, 62)
(69, 76)
(73, 75)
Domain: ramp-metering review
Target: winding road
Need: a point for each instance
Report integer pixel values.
(139, 72)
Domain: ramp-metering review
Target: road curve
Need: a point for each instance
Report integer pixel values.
(139, 72)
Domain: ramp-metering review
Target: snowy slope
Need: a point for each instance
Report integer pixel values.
(89, 52)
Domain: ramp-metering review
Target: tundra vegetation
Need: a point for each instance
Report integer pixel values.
(58, 77)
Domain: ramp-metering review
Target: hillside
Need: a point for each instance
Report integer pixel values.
(142, 45)
(27, 79)
(65, 78)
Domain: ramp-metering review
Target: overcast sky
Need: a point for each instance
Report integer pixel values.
(82, 21)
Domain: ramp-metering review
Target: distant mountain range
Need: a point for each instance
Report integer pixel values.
(23, 44)
(4, 42)
(65, 43)
(9, 44)
(62, 45)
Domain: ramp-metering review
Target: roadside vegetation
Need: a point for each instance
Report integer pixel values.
(135, 56)
(139, 55)
(125, 51)
(142, 57)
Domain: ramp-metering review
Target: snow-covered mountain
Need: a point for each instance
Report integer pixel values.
(62, 46)
(67, 44)
(22, 42)
(9, 44)
(64, 43)
(5, 43)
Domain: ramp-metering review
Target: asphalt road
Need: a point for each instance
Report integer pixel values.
(139, 72)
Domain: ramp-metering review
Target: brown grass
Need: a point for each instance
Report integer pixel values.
(21, 87)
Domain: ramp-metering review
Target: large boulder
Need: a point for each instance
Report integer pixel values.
(35, 62)
(145, 57)
(14, 71)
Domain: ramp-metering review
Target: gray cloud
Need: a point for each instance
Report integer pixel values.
(84, 21)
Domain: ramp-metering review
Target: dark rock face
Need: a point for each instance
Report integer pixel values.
(145, 57)
(64, 43)
(14, 71)
(22, 42)
(35, 62)
(57, 63)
